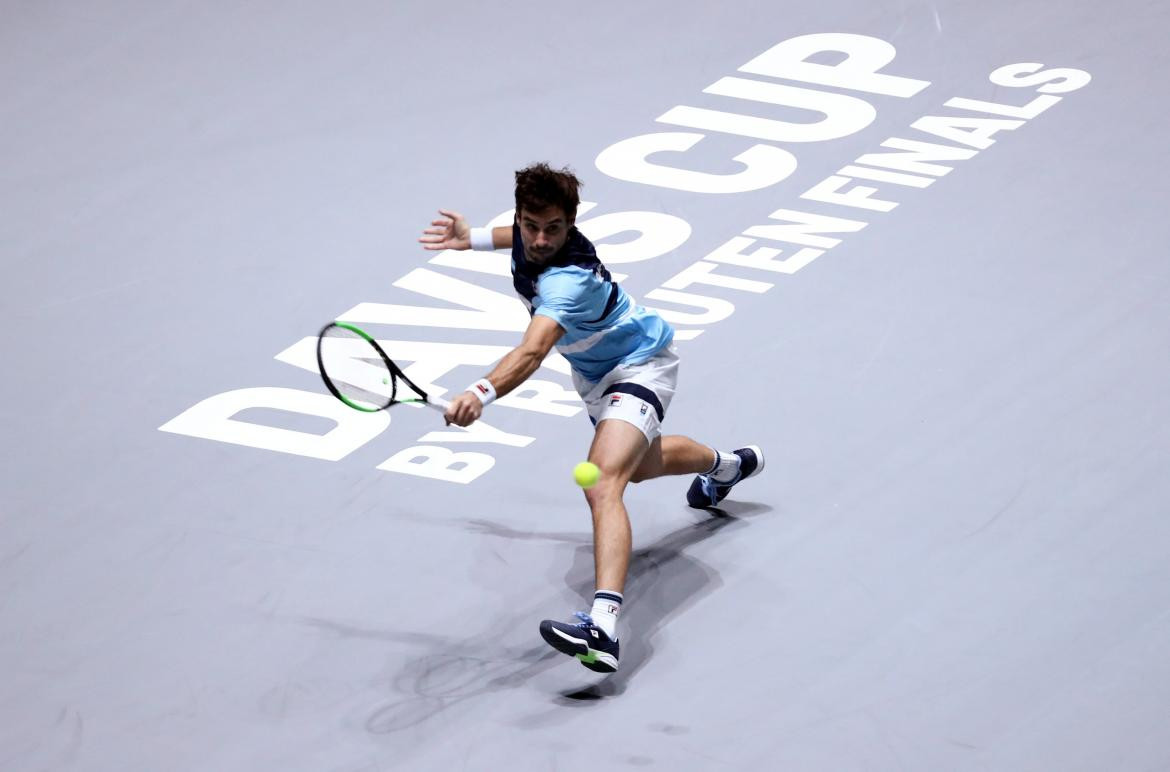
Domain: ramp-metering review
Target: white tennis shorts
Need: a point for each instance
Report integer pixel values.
(637, 394)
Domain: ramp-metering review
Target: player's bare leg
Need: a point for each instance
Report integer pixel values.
(674, 454)
(618, 448)
(717, 472)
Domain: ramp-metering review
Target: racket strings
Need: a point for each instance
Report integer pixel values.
(356, 369)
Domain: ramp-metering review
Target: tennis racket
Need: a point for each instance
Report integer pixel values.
(359, 373)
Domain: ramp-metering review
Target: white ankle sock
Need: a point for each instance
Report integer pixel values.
(725, 468)
(607, 604)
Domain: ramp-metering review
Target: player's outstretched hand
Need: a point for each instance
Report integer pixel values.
(450, 231)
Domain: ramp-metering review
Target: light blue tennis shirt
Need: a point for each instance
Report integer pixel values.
(603, 326)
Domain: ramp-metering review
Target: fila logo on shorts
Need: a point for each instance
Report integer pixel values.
(615, 400)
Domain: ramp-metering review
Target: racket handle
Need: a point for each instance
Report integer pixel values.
(437, 403)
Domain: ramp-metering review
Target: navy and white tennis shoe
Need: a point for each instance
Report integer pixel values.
(584, 640)
(706, 492)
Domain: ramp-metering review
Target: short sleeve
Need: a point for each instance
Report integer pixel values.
(569, 296)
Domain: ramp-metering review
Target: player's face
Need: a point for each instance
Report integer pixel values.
(543, 231)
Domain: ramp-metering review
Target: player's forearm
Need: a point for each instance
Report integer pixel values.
(502, 237)
(515, 368)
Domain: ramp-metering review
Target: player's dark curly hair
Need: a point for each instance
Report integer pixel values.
(540, 186)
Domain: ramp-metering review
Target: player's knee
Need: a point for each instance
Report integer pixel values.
(606, 490)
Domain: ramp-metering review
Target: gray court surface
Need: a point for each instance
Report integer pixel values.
(958, 557)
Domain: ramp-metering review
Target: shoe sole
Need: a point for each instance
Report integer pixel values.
(598, 661)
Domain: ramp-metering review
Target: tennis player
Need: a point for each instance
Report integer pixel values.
(624, 367)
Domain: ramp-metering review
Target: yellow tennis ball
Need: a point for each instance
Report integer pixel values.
(586, 473)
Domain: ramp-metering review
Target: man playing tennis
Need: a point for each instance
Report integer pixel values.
(624, 367)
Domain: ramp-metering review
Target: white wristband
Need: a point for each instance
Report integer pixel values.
(481, 240)
(484, 390)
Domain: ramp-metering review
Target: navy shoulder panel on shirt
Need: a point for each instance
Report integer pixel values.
(578, 251)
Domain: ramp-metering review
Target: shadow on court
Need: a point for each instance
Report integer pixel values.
(663, 581)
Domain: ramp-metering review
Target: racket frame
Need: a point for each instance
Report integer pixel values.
(395, 374)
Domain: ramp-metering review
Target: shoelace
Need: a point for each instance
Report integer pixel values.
(586, 620)
(709, 485)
